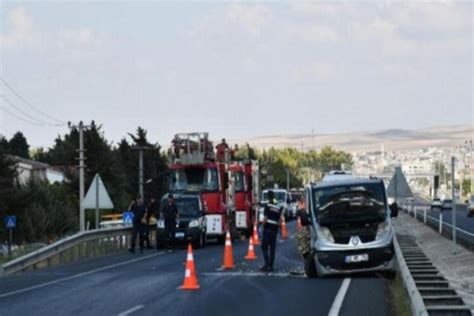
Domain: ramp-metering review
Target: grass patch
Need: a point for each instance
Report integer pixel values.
(400, 299)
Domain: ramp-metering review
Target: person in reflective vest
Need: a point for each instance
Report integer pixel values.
(271, 224)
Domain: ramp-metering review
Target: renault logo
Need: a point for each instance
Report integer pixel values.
(355, 240)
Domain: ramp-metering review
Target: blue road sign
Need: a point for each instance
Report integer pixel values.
(10, 221)
(127, 217)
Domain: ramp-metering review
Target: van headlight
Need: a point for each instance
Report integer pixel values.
(382, 230)
(325, 234)
(160, 223)
(193, 223)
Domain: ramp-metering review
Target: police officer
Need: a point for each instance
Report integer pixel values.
(271, 223)
(139, 221)
(170, 214)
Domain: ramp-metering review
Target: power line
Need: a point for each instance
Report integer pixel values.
(23, 112)
(29, 104)
(20, 118)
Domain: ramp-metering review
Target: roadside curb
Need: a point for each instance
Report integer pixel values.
(417, 305)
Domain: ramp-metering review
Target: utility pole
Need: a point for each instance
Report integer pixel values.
(453, 192)
(81, 127)
(288, 180)
(140, 168)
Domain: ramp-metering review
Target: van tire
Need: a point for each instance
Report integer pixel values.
(310, 267)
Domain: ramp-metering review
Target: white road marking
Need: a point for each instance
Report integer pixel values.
(339, 299)
(252, 274)
(131, 310)
(39, 286)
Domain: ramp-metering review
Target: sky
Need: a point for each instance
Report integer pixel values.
(235, 69)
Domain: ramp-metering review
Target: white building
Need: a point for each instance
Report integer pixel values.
(28, 169)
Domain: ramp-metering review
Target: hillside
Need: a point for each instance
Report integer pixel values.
(392, 139)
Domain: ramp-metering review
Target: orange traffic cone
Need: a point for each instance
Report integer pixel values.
(284, 230)
(228, 256)
(255, 235)
(251, 253)
(298, 224)
(190, 280)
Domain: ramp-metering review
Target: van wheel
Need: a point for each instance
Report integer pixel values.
(310, 267)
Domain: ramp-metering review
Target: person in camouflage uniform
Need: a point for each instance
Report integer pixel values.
(303, 238)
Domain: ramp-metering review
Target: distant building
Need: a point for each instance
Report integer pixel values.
(28, 169)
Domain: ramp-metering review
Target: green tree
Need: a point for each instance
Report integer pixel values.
(154, 164)
(18, 146)
(7, 186)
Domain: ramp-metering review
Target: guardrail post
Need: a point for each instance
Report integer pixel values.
(440, 222)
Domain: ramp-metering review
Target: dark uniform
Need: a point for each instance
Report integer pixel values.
(270, 233)
(170, 213)
(139, 211)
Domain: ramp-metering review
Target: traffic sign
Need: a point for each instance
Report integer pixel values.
(127, 218)
(10, 221)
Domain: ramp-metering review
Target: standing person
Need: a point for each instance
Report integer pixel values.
(139, 221)
(170, 214)
(150, 211)
(271, 223)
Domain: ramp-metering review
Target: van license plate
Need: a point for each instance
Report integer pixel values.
(357, 258)
(179, 235)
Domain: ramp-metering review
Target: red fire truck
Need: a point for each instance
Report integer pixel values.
(195, 169)
(228, 189)
(244, 195)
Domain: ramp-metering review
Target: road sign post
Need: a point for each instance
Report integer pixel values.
(10, 223)
(453, 192)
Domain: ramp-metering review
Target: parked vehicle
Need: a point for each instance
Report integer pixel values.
(436, 204)
(351, 227)
(470, 206)
(447, 204)
(191, 224)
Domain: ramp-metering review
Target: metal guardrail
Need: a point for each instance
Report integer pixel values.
(82, 245)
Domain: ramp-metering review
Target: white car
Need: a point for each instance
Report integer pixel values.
(436, 203)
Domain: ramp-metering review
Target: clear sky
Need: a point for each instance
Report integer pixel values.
(235, 69)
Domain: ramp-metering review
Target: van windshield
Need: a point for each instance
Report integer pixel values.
(188, 207)
(353, 203)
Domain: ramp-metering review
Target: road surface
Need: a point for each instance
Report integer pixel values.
(127, 284)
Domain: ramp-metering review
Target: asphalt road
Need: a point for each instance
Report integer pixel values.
(466, 224)
(127, 284)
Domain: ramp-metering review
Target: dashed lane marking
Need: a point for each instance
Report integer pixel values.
(39, 286)
(339, 299)
(131, 310)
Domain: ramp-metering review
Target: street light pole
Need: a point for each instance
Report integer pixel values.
(453, 192)
(140, 167)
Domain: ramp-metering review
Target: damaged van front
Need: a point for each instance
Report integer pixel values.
(351, 229)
